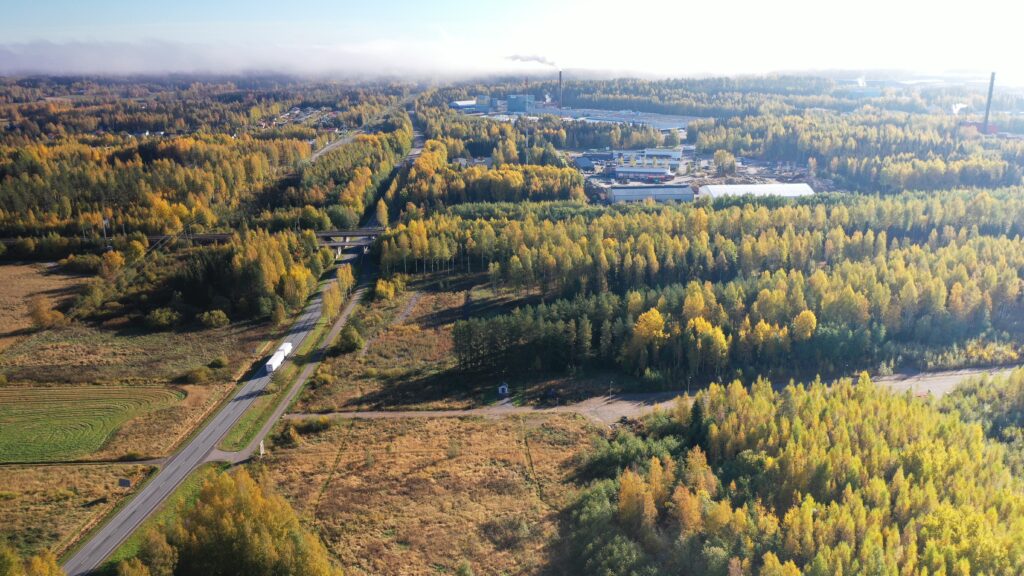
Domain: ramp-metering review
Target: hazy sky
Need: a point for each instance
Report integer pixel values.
(663, 37)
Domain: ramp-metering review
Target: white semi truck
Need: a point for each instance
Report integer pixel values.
(278, 357)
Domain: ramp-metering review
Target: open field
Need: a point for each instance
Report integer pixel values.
(60, 423)
(422, 496)
(22, 282)
(64, 423)
(124, 354)
(50, 506)
(407, 361)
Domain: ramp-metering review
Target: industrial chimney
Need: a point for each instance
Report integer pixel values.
(988, 105)
(560, 89)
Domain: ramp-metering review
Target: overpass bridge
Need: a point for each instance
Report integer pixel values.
(337, 239)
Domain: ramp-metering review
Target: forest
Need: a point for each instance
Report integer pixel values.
(870, 150)
(812, 479)
(674, 291)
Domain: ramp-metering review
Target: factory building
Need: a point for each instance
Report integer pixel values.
(783, 190)
(649, 173)
(584, 163)
(657, 192)
(481, 104)
(521, 103)
(670, 156)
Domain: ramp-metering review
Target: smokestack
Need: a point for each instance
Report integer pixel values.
(559, 88)
(988, 105)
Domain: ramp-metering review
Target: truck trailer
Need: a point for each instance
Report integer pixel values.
(275, 361)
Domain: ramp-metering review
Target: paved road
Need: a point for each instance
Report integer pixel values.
(102, 543)
(343, 140)
(307, 371)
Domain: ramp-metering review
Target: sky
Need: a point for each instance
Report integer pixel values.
(445, 37)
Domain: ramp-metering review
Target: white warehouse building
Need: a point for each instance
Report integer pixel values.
(657, 192)
(782, 190)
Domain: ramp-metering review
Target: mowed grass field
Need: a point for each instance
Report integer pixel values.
(42, 424)
(21, 283)
(423, 496)
(51, 506)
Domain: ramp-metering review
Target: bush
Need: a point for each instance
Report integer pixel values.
(200, 375)
(507, 533)
(218, 362)
(40, 309)
(349, 341)
(81, 263)
(162, 318)
(288, 437)
(214, 319)
(313, 425)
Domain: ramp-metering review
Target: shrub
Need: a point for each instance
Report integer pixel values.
(81, 263)
(218, 362)
(349, 341)
(162, 318)
(287, 437)
(384, 290)
(200, 375)
(214, 319)
(313, 425)
(43, 315)
(507, 533)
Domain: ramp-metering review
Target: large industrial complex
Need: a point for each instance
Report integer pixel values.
(675, 174)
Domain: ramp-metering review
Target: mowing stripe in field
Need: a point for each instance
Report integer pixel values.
(63, 423)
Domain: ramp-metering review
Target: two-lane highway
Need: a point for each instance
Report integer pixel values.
(138, 508)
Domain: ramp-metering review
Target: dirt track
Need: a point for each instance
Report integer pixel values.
(610, 409)
(936, 383)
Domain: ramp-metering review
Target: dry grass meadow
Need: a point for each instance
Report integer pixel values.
(50, 506)
(22, 282)
(125, 354)
(407, 362)
(422, 496)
